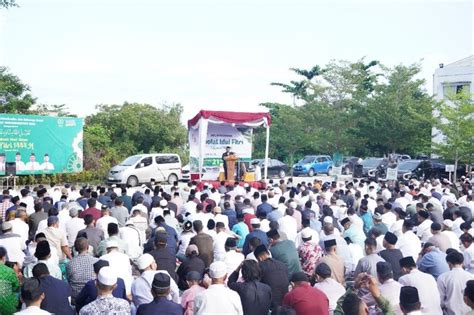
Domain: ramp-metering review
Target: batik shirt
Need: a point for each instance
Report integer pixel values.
(9, 284)
(309, 254)
(106, 305)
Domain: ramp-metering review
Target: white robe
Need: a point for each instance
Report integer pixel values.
(451, 287)
(427, 291)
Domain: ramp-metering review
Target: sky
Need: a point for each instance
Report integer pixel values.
(217, 55)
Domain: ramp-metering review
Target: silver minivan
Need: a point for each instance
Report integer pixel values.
(142, 168)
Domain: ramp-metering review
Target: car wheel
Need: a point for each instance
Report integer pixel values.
(329, 171)
(282, 174)
(311, 172)
(132, 181)
(172, 178)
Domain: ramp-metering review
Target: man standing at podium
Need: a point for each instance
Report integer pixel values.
(224, 155)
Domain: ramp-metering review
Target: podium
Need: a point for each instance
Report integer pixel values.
(230, 165)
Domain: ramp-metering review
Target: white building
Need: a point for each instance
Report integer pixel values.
(452, 78)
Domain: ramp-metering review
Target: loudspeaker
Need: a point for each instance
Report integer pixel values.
(10, 168)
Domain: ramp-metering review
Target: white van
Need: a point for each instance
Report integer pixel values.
(142, 168)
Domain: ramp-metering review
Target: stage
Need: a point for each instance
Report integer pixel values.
(224, 139)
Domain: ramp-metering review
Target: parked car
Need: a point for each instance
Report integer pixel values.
(400, 157)
(311, 165)
(185, 173)
(374, 168)
(425, 169)
(275, 168)
(142, 168)
(413, 169)
(208, 173)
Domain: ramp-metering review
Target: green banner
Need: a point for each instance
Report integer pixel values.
(40, 144)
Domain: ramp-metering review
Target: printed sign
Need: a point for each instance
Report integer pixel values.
(392, 173)
(41, 144)
(219, 136)
(449, 168)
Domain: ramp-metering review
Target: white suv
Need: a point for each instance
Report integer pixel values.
(142, 168)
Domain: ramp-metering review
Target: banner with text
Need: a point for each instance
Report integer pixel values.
(41, 144)
(219, 136)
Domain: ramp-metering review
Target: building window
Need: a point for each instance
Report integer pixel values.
(462, 87)
(456, 88)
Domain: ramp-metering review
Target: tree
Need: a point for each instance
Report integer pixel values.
(455, 120)
(53, 110)
(117, 131)
(288, 138)
(299, 88)
(14, 94)
(355, 108)
(8, 4)
(398, 117)
(99, 154)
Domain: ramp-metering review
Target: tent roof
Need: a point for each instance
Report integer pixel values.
(231, 117)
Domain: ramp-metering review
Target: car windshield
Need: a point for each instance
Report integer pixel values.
(259, 162)
(130, 160)
(408, 165)
(371, 163)
(307, 159)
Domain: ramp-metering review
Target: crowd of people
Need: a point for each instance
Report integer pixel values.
(352, 247)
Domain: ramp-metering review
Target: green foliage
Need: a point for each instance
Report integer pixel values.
(8, 4)
(455, 120)
(356, 108)
(14, 94)
(110, 135)
(52, 110)
(288, 128)
(117, 131)
(398, 117)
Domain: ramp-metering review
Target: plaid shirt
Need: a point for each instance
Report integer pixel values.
(4, 206)
(79, 271)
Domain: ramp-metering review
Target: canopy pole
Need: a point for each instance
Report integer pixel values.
(267, 145)
(202, 142)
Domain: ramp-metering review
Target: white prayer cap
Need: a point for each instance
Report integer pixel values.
(144, 261)
(217, 270)
(254, 221)
(451, 200)
(306, 233)
(273, 202)
(111, 244)
(448, 223)
(248, 210)
(107, 276)
(328, 219)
